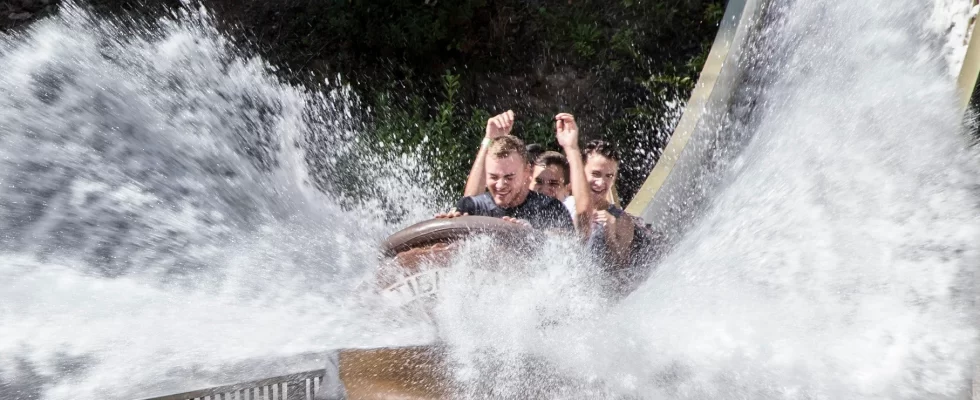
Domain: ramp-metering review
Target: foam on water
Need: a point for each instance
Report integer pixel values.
(160, 231)
(836, 261)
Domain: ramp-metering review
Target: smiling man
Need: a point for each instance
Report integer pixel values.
(507, 175)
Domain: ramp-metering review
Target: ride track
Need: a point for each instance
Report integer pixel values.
(678, 186)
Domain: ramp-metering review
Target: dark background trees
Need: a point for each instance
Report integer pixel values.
(432, 71)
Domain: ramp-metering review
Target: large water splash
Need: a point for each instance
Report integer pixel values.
(836, 261)
(160, 227)
(159, 232)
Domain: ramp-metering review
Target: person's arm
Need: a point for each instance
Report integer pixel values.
(566, 131)
(476, 183)
(497, 126)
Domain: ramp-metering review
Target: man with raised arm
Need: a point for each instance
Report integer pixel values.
(508, 196)
(549, 170)
(497, 126)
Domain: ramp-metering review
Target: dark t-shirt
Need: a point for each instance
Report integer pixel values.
(543, 212)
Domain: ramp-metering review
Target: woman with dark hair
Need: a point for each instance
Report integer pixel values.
(611, 230)
(608, 230)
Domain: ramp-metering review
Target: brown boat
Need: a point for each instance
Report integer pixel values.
(413, 263)
(414, 259)
(421, 372)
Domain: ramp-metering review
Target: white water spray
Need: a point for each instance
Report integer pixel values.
(836, 260)
(159, 233)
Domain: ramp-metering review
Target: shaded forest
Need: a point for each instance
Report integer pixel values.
(432, 71)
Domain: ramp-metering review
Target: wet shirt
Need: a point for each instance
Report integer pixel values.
(596, 241)
(597, 234)
(542, 212)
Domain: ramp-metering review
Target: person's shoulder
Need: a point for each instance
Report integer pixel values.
(482, 197)
(472, 203)
(551, 205)
(549, 212)
(543, 199)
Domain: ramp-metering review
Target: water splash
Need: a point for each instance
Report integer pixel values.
(836, 260)
(158, 210)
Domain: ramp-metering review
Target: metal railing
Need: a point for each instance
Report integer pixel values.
(298, 386)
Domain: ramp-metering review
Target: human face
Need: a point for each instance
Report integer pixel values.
(507, 180)
(549, 181)
(600, 173)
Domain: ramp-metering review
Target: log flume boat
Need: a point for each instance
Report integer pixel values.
(418, 372)
(409, 275)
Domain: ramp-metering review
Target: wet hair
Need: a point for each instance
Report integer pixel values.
(554, 158)
(602, 148)
(504, 146)
(534, 150)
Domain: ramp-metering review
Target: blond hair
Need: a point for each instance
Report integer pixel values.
(504, 146)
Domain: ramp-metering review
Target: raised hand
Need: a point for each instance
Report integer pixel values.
(607, 220)
(619, 233)
(500, 125)
(566, 131)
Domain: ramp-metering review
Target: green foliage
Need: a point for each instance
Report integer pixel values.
(714, 12)
(622, 42)
(586, 39)
(440, 134)
(617, 65)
